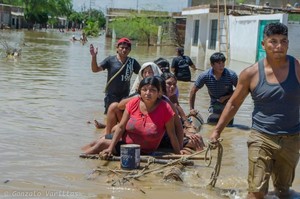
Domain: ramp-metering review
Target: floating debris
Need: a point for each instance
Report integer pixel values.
(10, 52)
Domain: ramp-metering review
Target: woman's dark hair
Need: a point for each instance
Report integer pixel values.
(217, 57)
(163, 64)
(163, 84)
(149, 81)
(275, 29)
(166, 76)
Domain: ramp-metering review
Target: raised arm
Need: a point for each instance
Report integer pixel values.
(94, 65)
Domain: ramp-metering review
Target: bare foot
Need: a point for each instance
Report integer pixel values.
(99, 125)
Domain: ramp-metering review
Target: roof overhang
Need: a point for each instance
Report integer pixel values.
(17, 14)
(196, 10)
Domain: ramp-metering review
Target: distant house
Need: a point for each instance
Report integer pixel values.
(235, 31)
(176, 30)
(11, 17)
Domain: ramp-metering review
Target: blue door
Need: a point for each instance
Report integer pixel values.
(260, 51)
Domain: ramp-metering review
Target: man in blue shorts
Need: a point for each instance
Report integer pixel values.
(219, 82)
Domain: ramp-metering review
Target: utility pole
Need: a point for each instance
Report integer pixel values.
(92, 2)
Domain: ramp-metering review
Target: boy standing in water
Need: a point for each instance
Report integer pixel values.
(219, 82)
(119, 68)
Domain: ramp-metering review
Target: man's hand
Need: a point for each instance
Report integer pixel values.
(223, 99)
(214, 138)
(93, 51)
(193, 112)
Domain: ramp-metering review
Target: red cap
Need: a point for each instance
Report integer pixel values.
(124, 40)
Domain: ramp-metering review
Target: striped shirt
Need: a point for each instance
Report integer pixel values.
(217, 88)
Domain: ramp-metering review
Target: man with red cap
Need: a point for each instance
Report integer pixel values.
(119, 71)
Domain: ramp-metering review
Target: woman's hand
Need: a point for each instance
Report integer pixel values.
(106, 153)
(196, 141)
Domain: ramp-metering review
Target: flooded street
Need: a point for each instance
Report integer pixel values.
(47, 97)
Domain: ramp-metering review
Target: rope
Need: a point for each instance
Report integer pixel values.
(208, 160)
(217, 167)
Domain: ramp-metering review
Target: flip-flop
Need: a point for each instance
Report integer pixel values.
(99, 125)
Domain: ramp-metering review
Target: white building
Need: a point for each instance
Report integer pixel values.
(238, 37)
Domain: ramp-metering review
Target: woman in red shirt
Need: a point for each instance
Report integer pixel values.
(144, 122)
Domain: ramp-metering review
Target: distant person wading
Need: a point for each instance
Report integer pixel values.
(181, 66)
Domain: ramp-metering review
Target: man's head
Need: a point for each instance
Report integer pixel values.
(124, 41)
(123, 47)
(180, 51)
(217, 61)
(275, 41)
(275, 29)
(217, 57)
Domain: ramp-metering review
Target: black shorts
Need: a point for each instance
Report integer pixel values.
(110, 98)
(165, 142)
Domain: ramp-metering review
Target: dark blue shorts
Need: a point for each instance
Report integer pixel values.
(110, 98)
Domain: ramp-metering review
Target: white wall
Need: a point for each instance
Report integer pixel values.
(197, 53)
(244, 35)
(209, 52)
(294, 42)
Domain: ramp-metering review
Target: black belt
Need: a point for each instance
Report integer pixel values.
(288, 135)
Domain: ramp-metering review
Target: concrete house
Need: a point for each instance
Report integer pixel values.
(235, 31)
(11, 17)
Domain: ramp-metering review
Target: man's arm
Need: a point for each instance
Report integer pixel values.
(224, 98)
(192, 100)
(297, 65)
(94, 65)
(191, 63)
(193, 67)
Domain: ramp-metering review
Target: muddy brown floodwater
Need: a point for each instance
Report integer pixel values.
(46, 98)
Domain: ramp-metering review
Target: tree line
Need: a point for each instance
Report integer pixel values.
(138, 27)
(45, 12)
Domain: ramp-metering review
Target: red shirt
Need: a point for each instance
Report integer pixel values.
(146, 130)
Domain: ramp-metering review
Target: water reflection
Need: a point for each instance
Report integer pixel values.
(48, 95)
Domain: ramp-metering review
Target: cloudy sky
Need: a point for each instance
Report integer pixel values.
(166, 5)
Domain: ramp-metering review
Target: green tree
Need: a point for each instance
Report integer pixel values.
(140, 27)
(294, 17)
(92, 20)
(76, 18)
(12, 2)
(35, 11)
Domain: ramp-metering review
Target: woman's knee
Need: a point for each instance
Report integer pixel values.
(113, 106)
